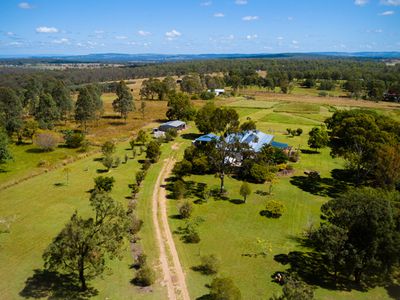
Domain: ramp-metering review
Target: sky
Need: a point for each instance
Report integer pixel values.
(197, 26)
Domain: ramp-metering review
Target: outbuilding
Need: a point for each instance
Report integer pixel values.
(176, 124)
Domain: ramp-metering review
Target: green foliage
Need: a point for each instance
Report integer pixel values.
(73, 139)
(29, 129)
(245, 190)
(249, 125)
(180, 107)
(46, 141)
(108, 162)
(203, 118)
(274, 209)
(142, 138)
(386, 172)
(124, 102)
(83, 244)
(10, 110)
(4, 151)
(191, 84)
(327, 85)
(259, 173)
(209, 265)
(145, 276)
(108, 148)
(318, 138)
(103, 184)
(85, 107)
(171, 134)
(46, 112)
(185, 210)
(182, 168)
(207, 95)
(140, 175)
(178, 189)
(153, 151)
(295, 289)
(361, 234)
(62, 97)
(224, 289)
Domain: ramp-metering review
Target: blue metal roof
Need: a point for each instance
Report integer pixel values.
(279, 145)
(207, 138)
(255, 139)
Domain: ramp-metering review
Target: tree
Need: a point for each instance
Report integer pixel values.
(318, 138)
(145, 276)
(103, 184)
(83, 244)
(153, 151)
(274, 209)
(178, 189)
(185, 210)
(191, 84)
(124, 102)
(108, 162)
(62, 97)
(142, 137)
(295, 289)
(10, 110)
(4, 151)
(182, 168)
(224, 289)
(29, 129)
(47, 141)
(363, 225)
(203, 118)
(46, 112)
(95, 95)
(142, 108)
(245, 190)
(209, 264)
(73, 139)
(387, 167)
(249, 125)
(225, 120)
(85, 107)
(108, 148)
(180, 107)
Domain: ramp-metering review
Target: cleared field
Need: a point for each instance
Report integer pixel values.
(252, 104)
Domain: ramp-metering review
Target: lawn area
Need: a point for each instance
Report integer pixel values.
(42, 205)
(235, 232)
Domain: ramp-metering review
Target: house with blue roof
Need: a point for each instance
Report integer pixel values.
(255, 139)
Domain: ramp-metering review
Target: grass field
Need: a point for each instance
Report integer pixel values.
(39, 207)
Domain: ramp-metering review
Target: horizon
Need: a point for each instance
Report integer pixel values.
(44, 27)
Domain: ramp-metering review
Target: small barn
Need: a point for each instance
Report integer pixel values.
(176, 124)
(217, 92)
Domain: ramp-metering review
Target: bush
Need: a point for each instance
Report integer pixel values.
(274, 209)
(299, 131)
(73, 139)
(141, 260)
(47, 141)
(185, 210)
(171, 134)
(153, 151)
(145, 276)
(108, 148)
(259, 173)
(224, 289)
(207, 95)
(140, 175)
(104, 183)
(136, 224)
(323, 94)
(192, 236)
(134, 190)
(146, 165)
(294, 156)
(178, 189)
(117, 162)
(108, 162)
(84, 146)
(201, 165)
(182, 168)
(194, 97)
(209, 264)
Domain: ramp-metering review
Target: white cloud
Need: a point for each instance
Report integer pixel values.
(241, 2)
(360, 2)
(14, 44)
(206, 3)
(44, 29)
(61, 41)
(387, 13)
(173, 34)
(294, 42)
(99, 31)
(143, 33)
(219, 15)
(251, 36)
(250, 18)
(25, 5)
(391, 2)
(290, 18)
(9, 33)
(121, 37)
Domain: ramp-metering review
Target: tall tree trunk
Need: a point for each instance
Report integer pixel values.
(82, 278)
(222, 177)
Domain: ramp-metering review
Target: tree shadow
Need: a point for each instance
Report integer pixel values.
(190, 136)
(393, 291)
(59, 184)
(35, 150)
(54, 285)
(237, 201)
(309, 151)
(326, 187)
(101, 171)
(117, 123)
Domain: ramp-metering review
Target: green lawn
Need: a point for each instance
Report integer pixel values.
(41, 207)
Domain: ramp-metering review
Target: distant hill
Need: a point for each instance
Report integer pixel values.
(149, 57)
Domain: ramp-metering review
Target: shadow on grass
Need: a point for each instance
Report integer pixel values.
(54, 285)
(190, 136)
(34, 150)
(59, 184)
(117, 123)
(101, 171)
(326, 187)
(309, 151)
(393, 291)
(237, 201)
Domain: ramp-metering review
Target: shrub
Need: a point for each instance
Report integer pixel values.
(108, 162)
(104, 183)
(141, 260)
(259, 173)
(323, 94)
(47, 141)
(209, 264)
(146, 165)
(73, 139)
(117, 161)
(43, 163)
(178, 189)
(108, 148)
(274, 209)
(136, 224)
(84, 146)
(171, 134)
(194, 97)
(294, 156)
(207, 95)
(224, 289)
(140, 175)
(185, 210)
(192, 236)
(299, 131)
(153, 151)
(201, 165)
(145, 276)
(134, 190)
(182, 168)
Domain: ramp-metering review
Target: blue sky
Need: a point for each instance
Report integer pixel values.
(204, 26)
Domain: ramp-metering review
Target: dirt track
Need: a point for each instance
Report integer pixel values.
(173, 275)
